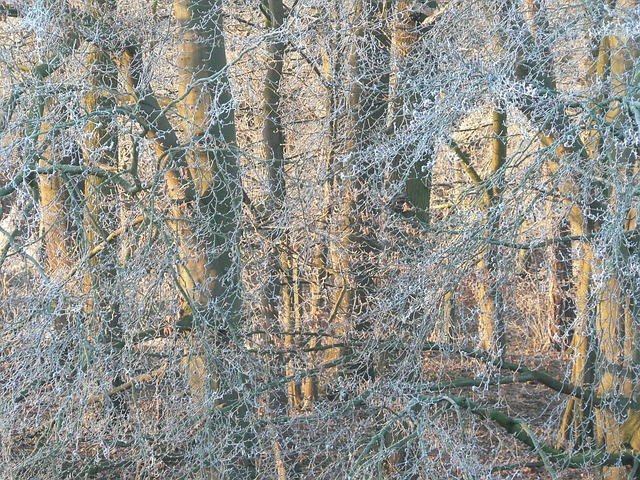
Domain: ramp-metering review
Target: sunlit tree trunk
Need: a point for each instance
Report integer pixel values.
(561, 305)
(323, 311)
(577, 423)
(412, 163)
(210, 274)
(57, 192)
(354, 255)
(616, 324)
(580, 422)
(59, 218)
(100, 147)
(417, 186)
(280, 293)
(208, 227)
(491, 320)
(415, 196)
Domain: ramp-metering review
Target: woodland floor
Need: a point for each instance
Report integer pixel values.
(537, 405)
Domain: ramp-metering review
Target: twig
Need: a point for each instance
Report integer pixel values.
(521, 431)
(539, 376)
(112, 236)
(549, 241)
(143, 378)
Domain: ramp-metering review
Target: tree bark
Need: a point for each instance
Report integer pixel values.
(354, 254)
(492, 324)
(59, 196)
(417, 186)
(207, 228)
(101, 196)
(562, 307)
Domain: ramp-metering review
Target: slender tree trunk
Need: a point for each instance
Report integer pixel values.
(273, 146)
(101, 150)
(562, 308)
(279, 291)
(58, 227)
(491, 318)
(417, 187)
(578, 421)
(491, 322)
(354, 256)
(322, 311)
(280, 298)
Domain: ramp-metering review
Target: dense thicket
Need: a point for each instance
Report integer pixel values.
(343, 239)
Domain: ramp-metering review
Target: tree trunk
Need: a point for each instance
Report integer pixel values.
(604, 358)
(101, 150)
(417, 186)
(616, 324)
(354, 254)
(578, 421)
(59, 199)
(322, 311)
(491, 323)
(491, 320)
(278, 294)
(562, 308)
(208, 228)
(210, 274)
